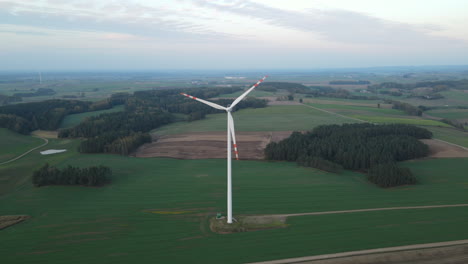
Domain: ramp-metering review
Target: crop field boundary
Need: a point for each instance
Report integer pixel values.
(366, 252)
(329, 112)
(371, 210)
(453, 144)
(46, 141)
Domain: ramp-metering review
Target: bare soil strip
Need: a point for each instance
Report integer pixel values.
(9, 220)
(453, 252)
(46, 141)
(209, 145)
(442, 149)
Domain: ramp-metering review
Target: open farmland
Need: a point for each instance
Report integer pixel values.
(271, 118)
(459, 114)
(158, 209)
(209, 145)
(14, 144)
(399, 120)
(450, 135)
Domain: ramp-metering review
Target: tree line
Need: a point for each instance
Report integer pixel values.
(91, 176)
(123, 132)
(46, 115)
(354, 146)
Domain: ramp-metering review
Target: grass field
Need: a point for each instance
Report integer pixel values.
(75, 119)
(272, 118)
(14, 144)
(156, 210)
(254, 93)
(450, 135)
(449, 113)
(356, 109)
(398, 120)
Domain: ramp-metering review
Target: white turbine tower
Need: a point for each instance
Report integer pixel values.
(230, 133)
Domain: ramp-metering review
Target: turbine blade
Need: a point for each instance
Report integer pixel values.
(205, 102)
(233, 134)
(248, 91)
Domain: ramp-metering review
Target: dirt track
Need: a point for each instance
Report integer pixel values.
(209, 145)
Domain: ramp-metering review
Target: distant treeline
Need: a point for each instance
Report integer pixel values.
(47, 115)
(438, 86)
(38, 92)
(349, 82)
(92, 176)
(405, 107)
(312, 91)
(356, 147)
(123, 132)
(5, 99)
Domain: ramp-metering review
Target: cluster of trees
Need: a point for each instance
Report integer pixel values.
(92, 176)
(38, 92)
(123, 132)
(47, 115)
(352, 146)
(114, 143)
(349, 82)
(405, 107)
(5, 99)
(437, 86)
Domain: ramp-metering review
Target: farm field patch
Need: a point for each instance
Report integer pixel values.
(398, 120)
(117, 221)
(450, 135)
(75, 119)
(358, 109)
(209, 145)
(449, 113)
(272, 118)
(14, 144)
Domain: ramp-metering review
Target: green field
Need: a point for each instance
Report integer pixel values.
(355, 109)
(131, 218)
(254, 93)
(450, 135)
(75, 119)
(398, 120)
(272, 118)
(14, 144)
(449, 113)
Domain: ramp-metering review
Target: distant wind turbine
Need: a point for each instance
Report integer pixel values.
(230, 133)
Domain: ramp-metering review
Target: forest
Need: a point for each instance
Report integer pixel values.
(92, 176)
(46, 115)
(123, 132)
(330, 148)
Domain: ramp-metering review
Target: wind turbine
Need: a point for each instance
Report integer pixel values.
(230, 133)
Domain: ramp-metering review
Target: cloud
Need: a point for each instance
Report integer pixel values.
(123, 18)
(334, 25)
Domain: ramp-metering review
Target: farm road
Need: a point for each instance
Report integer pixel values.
(46, 141)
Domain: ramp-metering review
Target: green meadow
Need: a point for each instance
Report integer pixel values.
(271, 118)
(75, 119)
(14, 144)
(157, 210)
(398, 120)
(449, 113)
(450, 135)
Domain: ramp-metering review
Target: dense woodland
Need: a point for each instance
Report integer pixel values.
(46, 115)
(92, 176)
(331, 148)
(123, 132)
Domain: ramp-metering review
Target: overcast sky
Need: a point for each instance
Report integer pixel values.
(251, 34)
